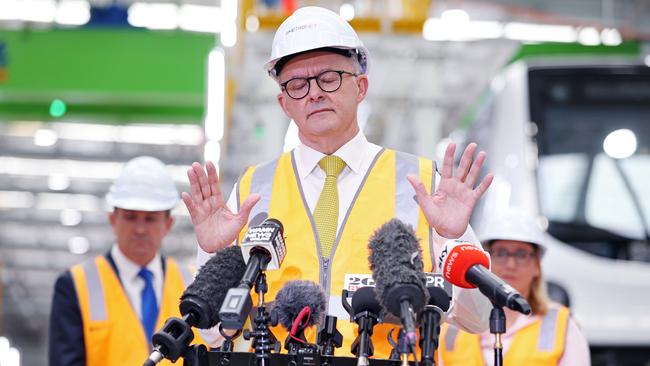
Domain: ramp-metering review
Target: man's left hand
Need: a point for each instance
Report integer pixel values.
(450, 207)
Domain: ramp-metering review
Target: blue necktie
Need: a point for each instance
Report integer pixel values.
(149, 305)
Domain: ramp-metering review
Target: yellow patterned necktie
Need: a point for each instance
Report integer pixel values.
(326, 214)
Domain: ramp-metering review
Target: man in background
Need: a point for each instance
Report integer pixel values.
(105, 310)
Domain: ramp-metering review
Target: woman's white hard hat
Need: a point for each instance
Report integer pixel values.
(312, 28)
(513, 225)
(144, 185)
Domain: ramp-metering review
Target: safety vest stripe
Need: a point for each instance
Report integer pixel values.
(95, 291)
(406, 207)
(450, 338)
(433, 189)
(186, 274)
(547, 331)
(262, 184)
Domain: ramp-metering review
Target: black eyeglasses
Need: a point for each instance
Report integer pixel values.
(328, 81)
(522, 257)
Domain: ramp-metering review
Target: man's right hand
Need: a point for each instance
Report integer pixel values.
(215, 225)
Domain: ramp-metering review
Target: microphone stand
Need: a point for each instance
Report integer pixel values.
(362, 346)
(497, 327)
(264, 342)
(429, 333)
(329, 338)
(227, 344)
(172, 340)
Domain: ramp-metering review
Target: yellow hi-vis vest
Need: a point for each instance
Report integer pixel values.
(539, 344)
(384, 194)
(113, 334)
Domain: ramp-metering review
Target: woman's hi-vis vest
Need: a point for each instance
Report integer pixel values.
(384, 194)
(113, 334)
(538, 344)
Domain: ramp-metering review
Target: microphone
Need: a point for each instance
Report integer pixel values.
(262, 248)
(365, 312)
(397, 267)
(199, 304)
(432, 317)
(465, 265)
(298, 305)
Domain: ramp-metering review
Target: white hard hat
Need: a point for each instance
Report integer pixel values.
(513, 225)
(311, 28)
(144, 185)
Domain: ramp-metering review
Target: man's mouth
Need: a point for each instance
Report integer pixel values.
(318, 111)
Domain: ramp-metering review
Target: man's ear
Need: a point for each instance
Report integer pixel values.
(362, 85)
(282, 100)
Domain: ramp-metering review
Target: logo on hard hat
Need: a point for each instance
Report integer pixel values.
(300, 27)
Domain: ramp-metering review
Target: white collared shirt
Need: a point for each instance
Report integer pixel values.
(132, 283)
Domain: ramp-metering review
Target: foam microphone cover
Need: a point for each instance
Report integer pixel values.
(397, 267)
(213, 280)
(438, 297)
(294, 296)
(365, 299)
(459, 259)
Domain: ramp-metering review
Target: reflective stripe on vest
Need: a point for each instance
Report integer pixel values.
(450, 338)
(406, 207)
(546, 340)
(95, 298)
(187, 275)
(262, 183)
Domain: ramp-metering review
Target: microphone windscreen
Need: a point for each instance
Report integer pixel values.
(365, 299)
(395, 261)
(294, 296)
(438, 297)
(458, 258)
(221, 272)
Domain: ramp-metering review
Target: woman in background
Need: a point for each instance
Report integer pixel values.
(549, 336)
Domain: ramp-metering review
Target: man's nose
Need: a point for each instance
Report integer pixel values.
(315, 92)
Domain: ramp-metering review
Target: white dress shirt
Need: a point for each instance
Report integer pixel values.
(469, 310)
(132, 283)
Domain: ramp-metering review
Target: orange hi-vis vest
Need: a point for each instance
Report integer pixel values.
(113, 334)
(541, 343)
(384, 194)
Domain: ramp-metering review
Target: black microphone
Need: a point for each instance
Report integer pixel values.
(262, 248)
(432, 316)
(199, 304)
(365, 312)
(299, 304)
(465, 265)
(397, 267)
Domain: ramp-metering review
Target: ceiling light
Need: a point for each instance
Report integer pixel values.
(78, 245)
(346, 11)
(73, 12)
(45, 137)
(589, 36)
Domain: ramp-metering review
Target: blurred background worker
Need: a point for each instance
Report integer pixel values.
(105, 310)
(550, 336)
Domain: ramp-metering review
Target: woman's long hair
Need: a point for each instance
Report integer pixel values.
(538, 296)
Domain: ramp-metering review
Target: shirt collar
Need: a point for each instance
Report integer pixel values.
(128, 269)
(352, 153)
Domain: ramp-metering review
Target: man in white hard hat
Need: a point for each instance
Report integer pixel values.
(336, 188)
(550, 336)
(105, 310)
